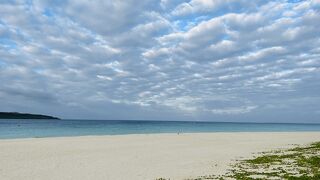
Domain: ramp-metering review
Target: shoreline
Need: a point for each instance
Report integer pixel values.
(137, 156)
(165, 133)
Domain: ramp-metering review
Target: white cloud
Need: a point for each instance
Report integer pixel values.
(235, 110)
(168, 59)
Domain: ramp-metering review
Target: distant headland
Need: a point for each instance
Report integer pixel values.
(16, 115)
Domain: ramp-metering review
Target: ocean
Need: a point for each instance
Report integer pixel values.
(10, 129)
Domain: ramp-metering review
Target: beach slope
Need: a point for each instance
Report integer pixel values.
(136, 156)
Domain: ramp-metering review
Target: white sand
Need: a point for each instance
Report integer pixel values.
(135, 156)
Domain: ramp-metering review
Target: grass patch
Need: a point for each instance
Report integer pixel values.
(264, 159)
(299, 163)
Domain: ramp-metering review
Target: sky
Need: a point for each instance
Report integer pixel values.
(197, 60)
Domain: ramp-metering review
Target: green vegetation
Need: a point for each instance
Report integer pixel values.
(299, 163)
(15, 115)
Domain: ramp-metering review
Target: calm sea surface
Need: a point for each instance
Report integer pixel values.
(55, 128)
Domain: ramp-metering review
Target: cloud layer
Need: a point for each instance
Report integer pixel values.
(209, 60)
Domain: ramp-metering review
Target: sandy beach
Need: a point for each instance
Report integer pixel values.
(146, 156)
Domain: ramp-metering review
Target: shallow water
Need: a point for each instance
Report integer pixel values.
(55, 128)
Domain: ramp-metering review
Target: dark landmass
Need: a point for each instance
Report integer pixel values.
(16, 115)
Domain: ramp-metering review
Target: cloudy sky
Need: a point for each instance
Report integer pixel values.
(213, 60)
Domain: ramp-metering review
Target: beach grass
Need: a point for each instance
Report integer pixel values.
(298, 163)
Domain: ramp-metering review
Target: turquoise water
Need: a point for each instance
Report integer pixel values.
(55, 128)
